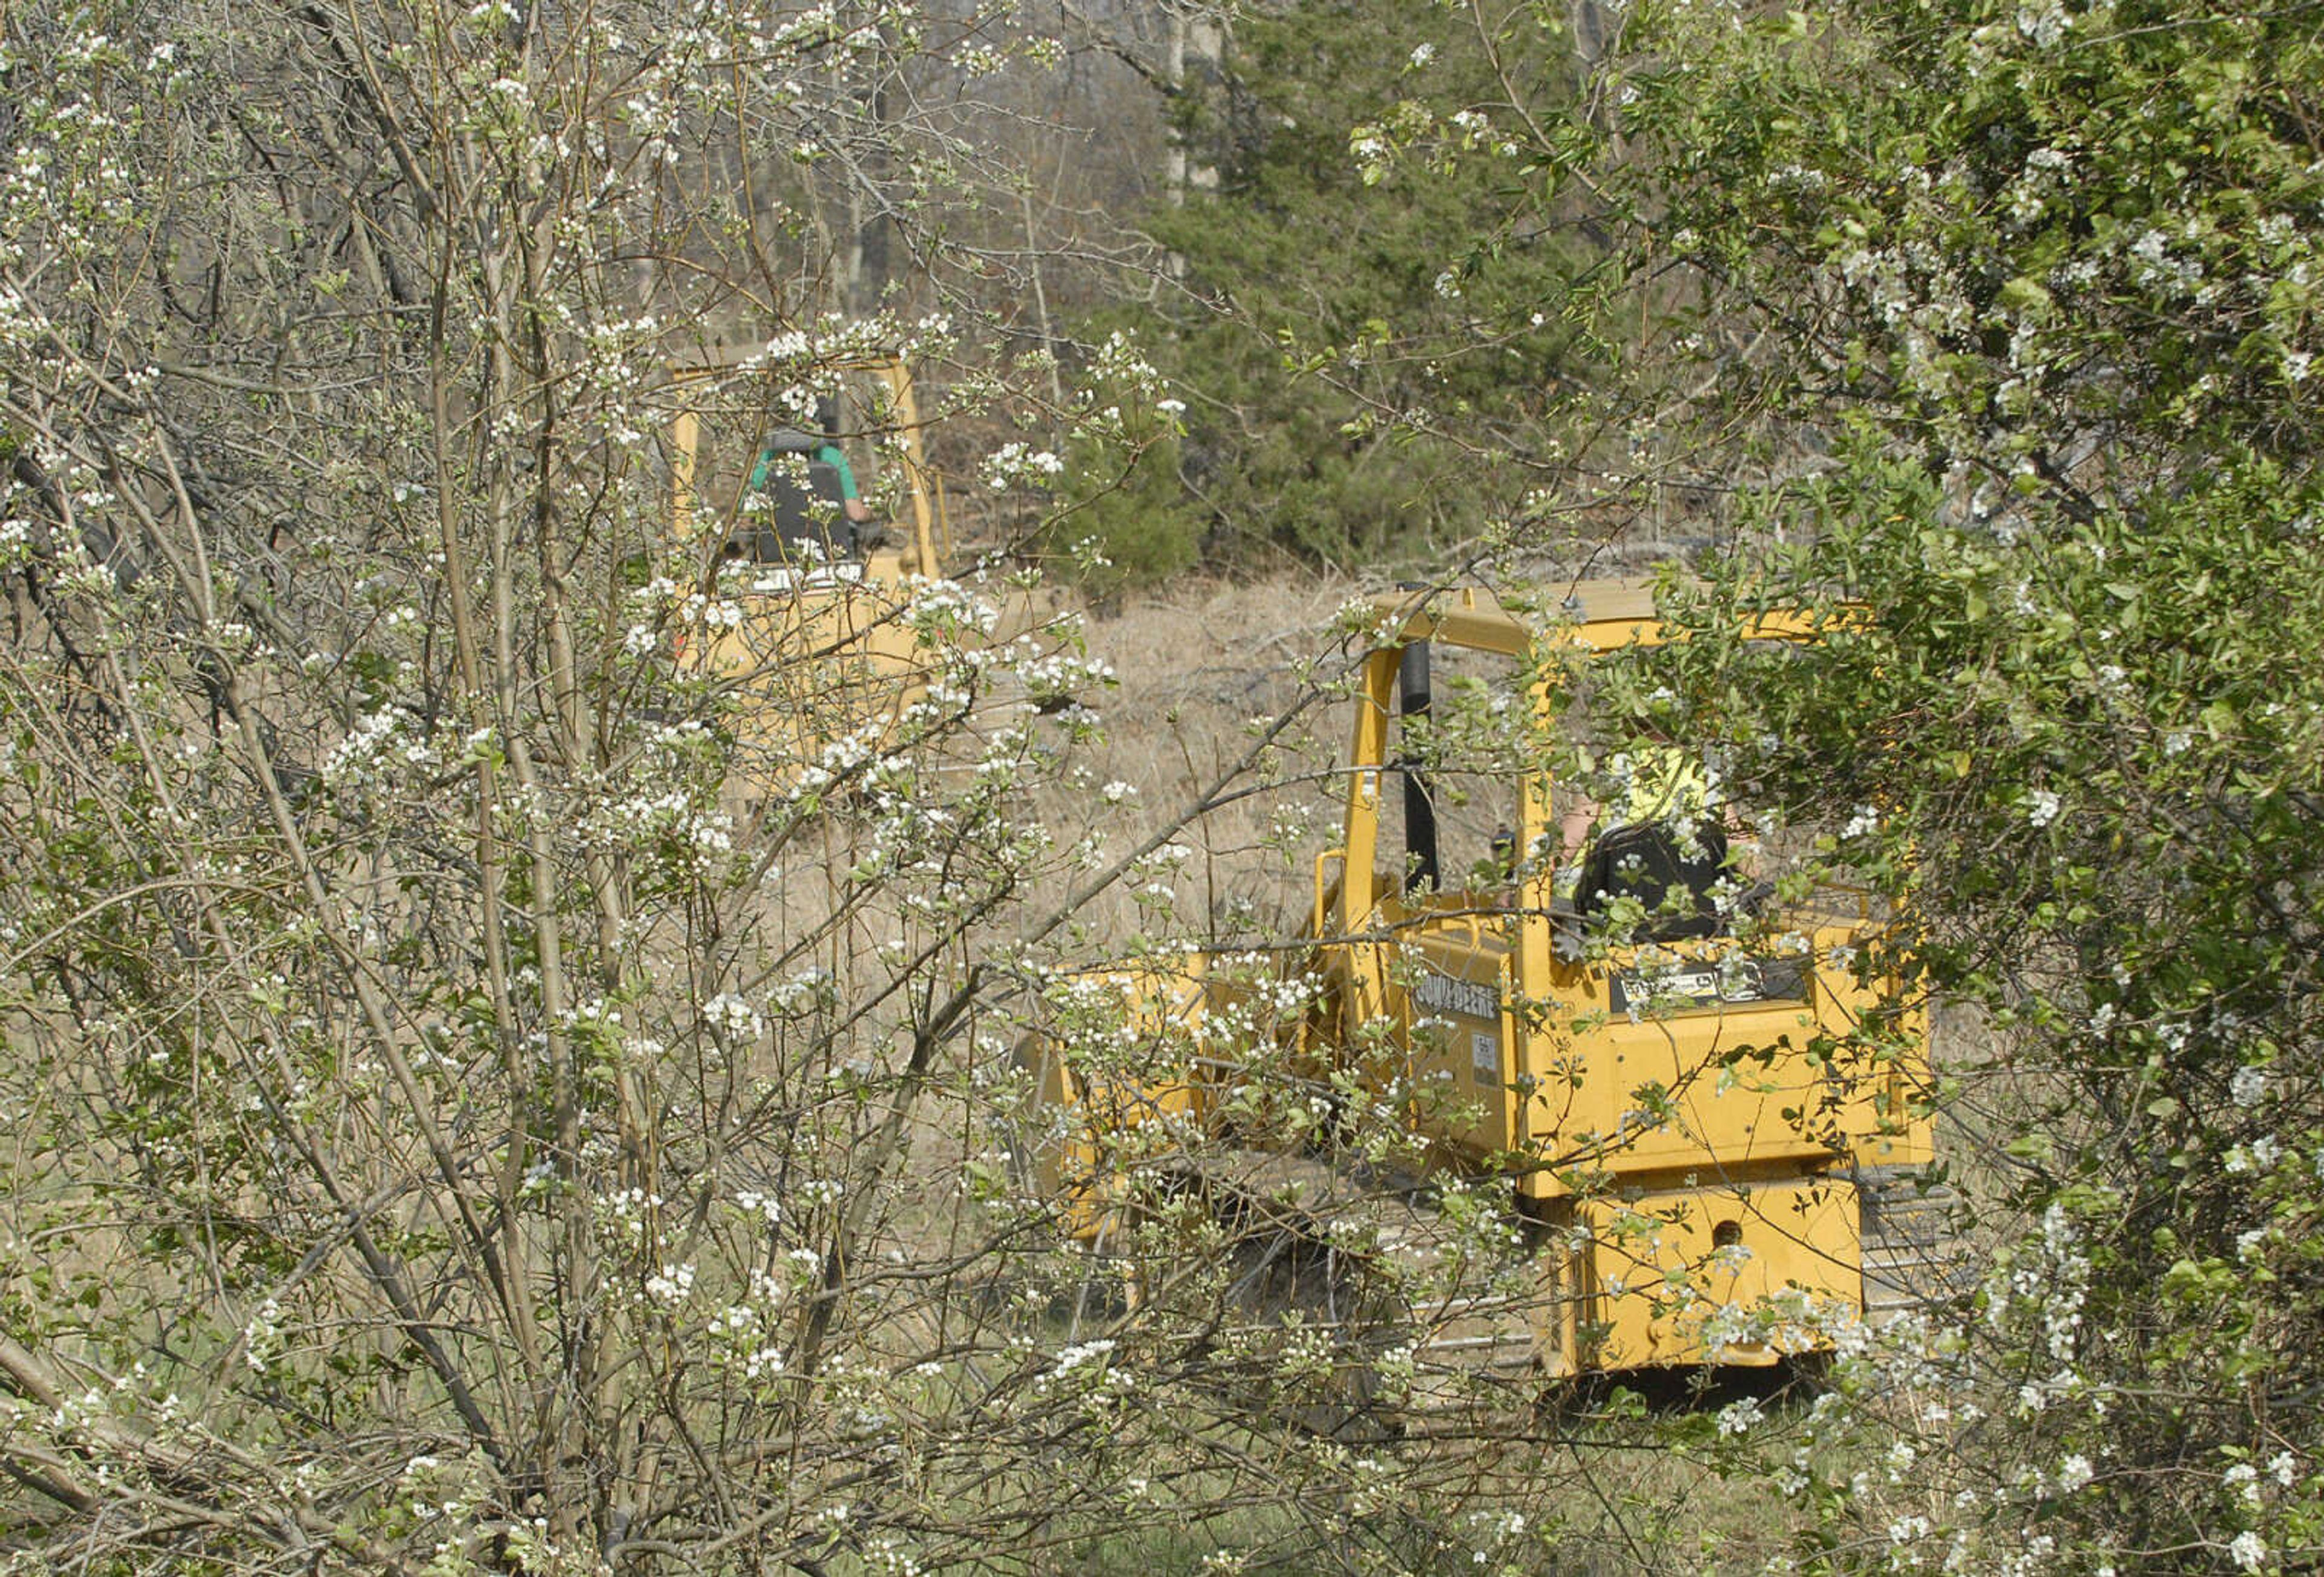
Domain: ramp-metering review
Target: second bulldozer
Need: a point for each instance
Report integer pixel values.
(1711, 1134)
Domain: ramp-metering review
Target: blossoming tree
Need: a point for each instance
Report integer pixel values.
(1991, 330)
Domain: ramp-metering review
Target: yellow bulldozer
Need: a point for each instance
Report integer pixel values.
(1709, 1126)
(805, 527)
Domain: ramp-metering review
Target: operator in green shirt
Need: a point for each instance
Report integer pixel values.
(826, 452)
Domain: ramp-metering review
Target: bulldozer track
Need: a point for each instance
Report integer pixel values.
(1310, 1236)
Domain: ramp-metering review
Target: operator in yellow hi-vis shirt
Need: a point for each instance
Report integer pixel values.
(1657, 782)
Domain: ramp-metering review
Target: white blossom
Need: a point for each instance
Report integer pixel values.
(671, 1284)
(2243, 1479)
(729, 1014)
(2248, 1085)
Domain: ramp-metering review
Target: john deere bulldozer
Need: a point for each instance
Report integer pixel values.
(1707, 1124)
(805, 527)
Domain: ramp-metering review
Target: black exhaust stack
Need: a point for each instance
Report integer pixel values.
(1412, 700)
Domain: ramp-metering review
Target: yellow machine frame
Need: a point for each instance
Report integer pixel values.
(1639, 1125)
(1673, 1116)
(819, 653)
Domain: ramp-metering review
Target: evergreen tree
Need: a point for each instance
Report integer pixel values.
(1367, 351)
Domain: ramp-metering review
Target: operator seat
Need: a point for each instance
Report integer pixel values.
(807, 505)
(1648, 861)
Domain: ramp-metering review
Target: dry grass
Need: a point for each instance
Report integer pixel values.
(1201, 668)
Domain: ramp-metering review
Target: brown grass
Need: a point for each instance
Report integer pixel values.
(1200, 667)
